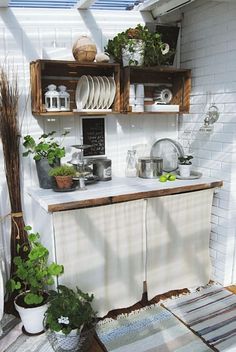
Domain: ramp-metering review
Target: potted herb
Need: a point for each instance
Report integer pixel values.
(46, 152)
(138, 46)
(185, 165)
(32, 276)
(69, 311)
(63, 175)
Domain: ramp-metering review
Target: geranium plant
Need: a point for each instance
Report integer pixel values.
(68, 310)
(46, 147)
(33, 273)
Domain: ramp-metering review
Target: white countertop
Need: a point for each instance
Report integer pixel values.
(133, 188)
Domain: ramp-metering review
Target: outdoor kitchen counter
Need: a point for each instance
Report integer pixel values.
(119, 189)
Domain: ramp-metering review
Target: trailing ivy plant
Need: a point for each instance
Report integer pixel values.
(46, 147)
(33, 273)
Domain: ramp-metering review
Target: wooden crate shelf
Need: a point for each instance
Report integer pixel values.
(45, 72)
(179, 81)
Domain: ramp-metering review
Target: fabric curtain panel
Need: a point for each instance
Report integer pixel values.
(104, 253)
(178, 232)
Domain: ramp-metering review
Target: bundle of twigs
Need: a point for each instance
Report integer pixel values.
(10, 136)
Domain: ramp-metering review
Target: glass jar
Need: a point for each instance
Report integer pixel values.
(131, 164)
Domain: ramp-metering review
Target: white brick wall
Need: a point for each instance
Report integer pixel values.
(208, 47)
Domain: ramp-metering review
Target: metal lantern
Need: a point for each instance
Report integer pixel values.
(64, 98)
(52, 98)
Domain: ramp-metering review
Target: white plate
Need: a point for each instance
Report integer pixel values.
(91, 93)
(193, 175)
(102, 93)
(82, 92)
(107, 92)
(112, 91)
(96, 94)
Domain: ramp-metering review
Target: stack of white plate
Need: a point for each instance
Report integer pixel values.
(95, 93)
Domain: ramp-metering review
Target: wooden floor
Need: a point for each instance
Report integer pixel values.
(97, 345)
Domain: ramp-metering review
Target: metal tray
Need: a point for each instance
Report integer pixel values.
(193, 175)
(169, 150)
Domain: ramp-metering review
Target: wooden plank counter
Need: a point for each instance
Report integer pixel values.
(119, 189)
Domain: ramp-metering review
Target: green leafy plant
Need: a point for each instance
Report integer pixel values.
(185, 160)
(63, 170)
(46, 147)
(156, 52)
(69, 309)
(33, 273)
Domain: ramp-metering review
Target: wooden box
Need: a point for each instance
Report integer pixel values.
(178, 81)
(45, 72)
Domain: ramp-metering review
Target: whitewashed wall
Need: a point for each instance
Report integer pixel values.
(208, 47)
(23, 35)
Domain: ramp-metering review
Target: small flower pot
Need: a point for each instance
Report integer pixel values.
(64, 182)
(31, 317)
(184, 170)
(61, 342)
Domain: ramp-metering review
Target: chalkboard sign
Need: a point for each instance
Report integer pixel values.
(94, 135)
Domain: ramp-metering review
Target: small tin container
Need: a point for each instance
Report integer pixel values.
(150, 167)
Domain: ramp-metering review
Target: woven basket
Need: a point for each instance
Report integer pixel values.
(83, 344)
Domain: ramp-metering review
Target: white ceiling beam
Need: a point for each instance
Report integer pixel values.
(146, 6)
(4, 3)
(84, 4)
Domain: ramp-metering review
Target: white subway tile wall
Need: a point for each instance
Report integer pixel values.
(208, 47)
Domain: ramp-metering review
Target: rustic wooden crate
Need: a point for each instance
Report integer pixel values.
(178, 79)
(45, 72)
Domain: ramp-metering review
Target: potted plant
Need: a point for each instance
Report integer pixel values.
(47, 154)
(185, 165)
(138, 46)
(63, 175)
(69, 318)
(32, 276)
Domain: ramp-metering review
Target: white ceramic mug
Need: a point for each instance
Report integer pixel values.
(139, 90)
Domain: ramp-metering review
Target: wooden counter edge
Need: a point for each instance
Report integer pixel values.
(131, 196)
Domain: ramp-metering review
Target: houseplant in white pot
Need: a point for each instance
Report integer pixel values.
(138, 46)
(32, 277)
(69, 319)
(47, 153)
(185, 165)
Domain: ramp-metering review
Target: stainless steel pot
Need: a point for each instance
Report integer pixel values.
(150, 167)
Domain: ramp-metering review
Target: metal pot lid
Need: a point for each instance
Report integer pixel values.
(170, 150)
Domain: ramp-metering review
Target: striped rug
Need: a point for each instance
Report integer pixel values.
(211, 313)
(150, 329)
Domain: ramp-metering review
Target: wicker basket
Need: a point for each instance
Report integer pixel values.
(83, 344)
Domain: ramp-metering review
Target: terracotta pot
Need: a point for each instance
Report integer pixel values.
(64, 181)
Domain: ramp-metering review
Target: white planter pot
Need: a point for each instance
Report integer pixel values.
(32, 318)
(133, 54)
(68, 342)
(184, 170)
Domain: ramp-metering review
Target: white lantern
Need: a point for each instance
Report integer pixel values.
(52, 98)
(64, 98)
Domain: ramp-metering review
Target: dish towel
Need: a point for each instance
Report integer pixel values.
(178, 231)
(104, 252)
